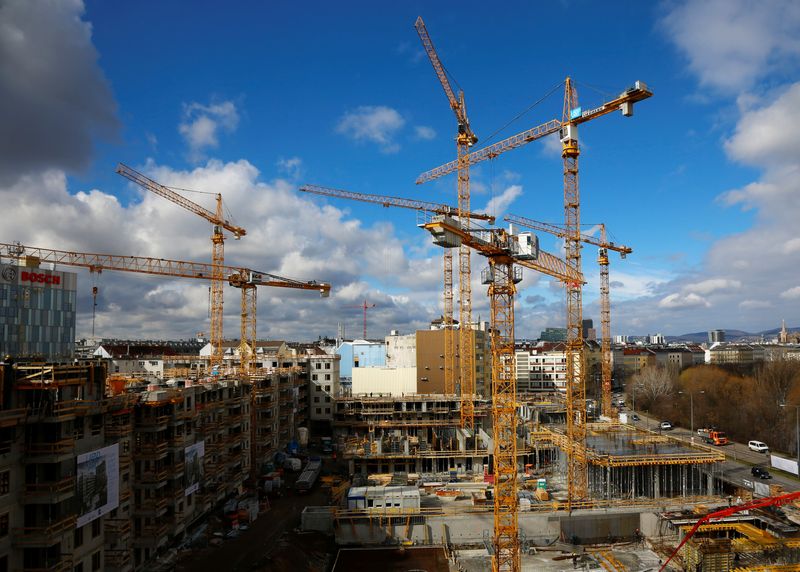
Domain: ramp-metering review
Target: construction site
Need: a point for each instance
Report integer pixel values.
(449, 467)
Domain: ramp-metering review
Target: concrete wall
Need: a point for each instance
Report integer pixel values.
(394, 381)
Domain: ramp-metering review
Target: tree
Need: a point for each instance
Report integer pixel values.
(655, 382)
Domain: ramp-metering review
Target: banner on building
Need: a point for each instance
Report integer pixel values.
(194, 466)
(97, 483)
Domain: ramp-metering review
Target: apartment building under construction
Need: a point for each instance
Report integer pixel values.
(92, 481)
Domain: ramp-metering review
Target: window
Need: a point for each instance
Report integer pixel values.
(313, 377)
(316, 399)
(319, 410)
(318, 365)
(77, 537)
(327, 410)
(3, 525)
(5, 482)
(327, 365)
(327, 377)
(78, 567)
(96, 530)
(96, 561)
(327, 388)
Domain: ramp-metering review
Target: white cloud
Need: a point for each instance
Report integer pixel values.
(730, 44)
(498, 204)
(791, 293)
(292, 166)
(378, 124)
(683, 301)
(201, 124)
(713, 285)
(754, 304)
(424, 133)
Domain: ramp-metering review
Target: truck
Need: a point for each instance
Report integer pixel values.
(309, 475)
(712, 436)
(327, 444)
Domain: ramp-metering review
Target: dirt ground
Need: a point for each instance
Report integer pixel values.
(271, 543)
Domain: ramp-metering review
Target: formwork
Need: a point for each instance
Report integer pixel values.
(625, 462)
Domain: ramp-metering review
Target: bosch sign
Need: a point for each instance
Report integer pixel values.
(39, 278)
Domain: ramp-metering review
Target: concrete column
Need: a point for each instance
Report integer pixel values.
(608, 483)
(656, 481)
(710, 483)
(683, 480)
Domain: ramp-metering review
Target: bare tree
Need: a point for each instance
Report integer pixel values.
(655, 382)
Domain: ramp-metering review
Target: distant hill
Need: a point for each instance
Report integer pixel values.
(730, 336)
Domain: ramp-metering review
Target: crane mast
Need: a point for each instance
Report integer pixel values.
(217, 247)
(503, 252)
(605, 298)
(465, 138)
(427, 207)
(572, 116)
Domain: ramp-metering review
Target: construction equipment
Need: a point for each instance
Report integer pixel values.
(364, 306)
(245, 279)
(503, 251)
(761, 503)
(567, 127)
(217, 246)
(465, 139)
(605, 299)
(427, 208)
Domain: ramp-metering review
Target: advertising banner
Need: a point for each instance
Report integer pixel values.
(788, 465)
(97, 483)
(194, 466)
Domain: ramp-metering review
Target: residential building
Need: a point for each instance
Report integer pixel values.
(715, 336)
(553, 335)
(359, 353)
(430, 361)
(401, 351)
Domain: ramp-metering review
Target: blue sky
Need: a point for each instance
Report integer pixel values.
(254, 99)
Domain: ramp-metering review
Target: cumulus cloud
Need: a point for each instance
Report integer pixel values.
(55, 96)
(791, 293)
(754, 304)
(498, 204)
(730, 44)
(424, 133)
(376, 124)
(201, 124)
(683, 301)
(713, 285)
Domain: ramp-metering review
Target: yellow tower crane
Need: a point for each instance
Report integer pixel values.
(217, 250)
(243, 278)
(605, 297)
(572, 116)
(465, 139)
(503, 251)
(425, 207)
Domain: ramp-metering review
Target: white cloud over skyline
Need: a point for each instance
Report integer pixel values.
(377, 124)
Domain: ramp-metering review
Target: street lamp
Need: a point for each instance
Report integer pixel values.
(691, 412)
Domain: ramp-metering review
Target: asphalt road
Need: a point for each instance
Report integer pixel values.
(740, 458)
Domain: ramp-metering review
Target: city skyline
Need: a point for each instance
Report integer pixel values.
(254, 103)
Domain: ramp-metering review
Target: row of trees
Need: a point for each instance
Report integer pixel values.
(759, 404)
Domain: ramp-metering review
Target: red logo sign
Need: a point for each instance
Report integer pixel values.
(40, 278)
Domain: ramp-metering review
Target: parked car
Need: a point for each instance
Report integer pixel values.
(666, 426)
(760, 472)
(635, 417)
(758, 446)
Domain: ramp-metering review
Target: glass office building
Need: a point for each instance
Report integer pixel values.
(37, 312)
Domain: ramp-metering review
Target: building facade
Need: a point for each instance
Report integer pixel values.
(37, 312)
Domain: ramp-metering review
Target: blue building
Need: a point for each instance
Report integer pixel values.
(359, 353)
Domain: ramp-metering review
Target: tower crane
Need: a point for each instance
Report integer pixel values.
(426, 207)
(567, 127)
(504, 251)
(465, 139)
(217, 248)
(605, 298)
(364, 306)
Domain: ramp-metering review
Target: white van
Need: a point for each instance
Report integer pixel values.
(758, 447)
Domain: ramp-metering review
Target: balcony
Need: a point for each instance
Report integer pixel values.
(116, 529)
(152, 422)
(119, 430)
(150, 451)
(116, 559)
(43, 536)
(151, 536)
(153, 477)
(60, 566)
(150, 507)
(12, 417)
(50, 492)
(50, 452)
